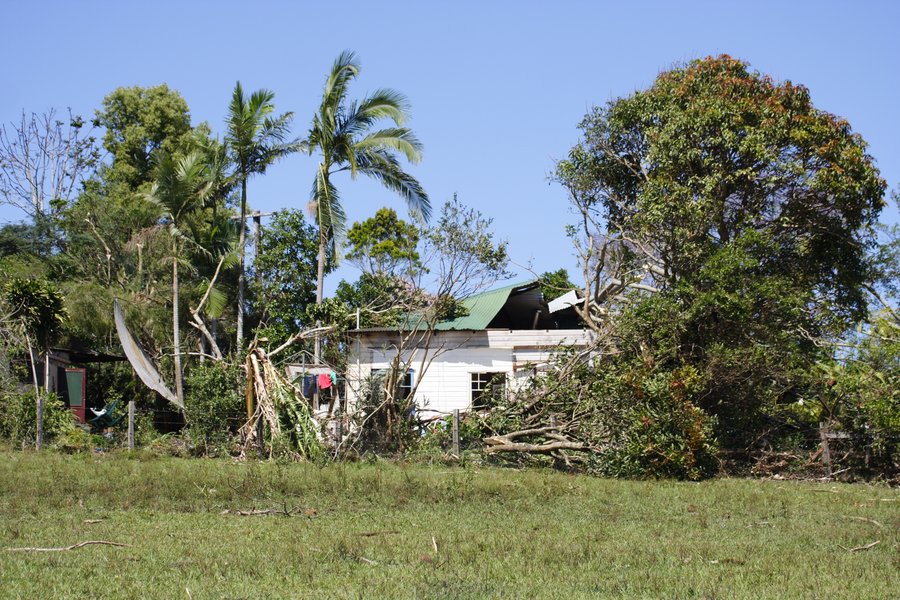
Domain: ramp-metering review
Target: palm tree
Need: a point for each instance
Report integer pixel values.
(255, 140)
(341, 133)
(181, 186)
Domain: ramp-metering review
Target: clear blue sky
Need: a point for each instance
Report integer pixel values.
(497, 88)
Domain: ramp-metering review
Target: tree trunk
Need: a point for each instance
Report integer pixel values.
(39, 408)
(320, 284)
(242, 242)
(40, 401)
(176, 330)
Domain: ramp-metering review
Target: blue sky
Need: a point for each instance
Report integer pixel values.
(497, 88)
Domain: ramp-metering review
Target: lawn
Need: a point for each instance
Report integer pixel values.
(388, 530)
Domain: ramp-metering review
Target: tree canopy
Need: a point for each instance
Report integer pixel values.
(714, 154)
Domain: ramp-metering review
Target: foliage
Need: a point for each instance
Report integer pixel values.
(460, 254)
(555, 283)
(386, 422)
(713, 152)
(38, 305)
(286, 271)
(635, 420)
(18, 415)
(383, 244)
(378, 297)
(255, 140)
(437, 436)
(750, 211)
(859, 393)
(138, 121)
(214, 408)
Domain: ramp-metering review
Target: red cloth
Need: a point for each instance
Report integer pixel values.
(324, 381)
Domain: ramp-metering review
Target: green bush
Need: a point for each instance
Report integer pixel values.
(661, 432)
(214, 408)
(18, 418)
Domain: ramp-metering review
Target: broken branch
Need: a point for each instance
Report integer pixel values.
(72, 547)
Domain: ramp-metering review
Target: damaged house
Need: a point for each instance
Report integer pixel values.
(497, 344)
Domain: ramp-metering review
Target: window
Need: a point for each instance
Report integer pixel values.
(487, 388)
(404, 389)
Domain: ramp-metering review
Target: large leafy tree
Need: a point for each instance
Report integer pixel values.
(181, 186)
(714, 153)
(138, 121)
(749, 209)
(256, 138)
(343, 135)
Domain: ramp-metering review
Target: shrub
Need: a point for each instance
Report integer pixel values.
(214, 407)
(18, 416)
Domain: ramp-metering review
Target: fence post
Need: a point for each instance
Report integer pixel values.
(456, 432)
(826, 451)
(131, 425)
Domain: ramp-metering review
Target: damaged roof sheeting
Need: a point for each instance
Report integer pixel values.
(510, 307)
(515, 307)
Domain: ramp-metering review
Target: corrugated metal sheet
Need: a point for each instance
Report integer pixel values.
(482, 308)
(139, 360)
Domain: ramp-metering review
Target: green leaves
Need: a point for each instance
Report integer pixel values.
(38, 305)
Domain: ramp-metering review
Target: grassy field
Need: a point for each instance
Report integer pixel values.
(402, 531)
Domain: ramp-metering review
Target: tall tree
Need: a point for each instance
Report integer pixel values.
(138, 121)
(341, 134)
(255, 140)
(180, 188)
(749, 210)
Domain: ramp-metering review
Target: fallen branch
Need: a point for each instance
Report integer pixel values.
(254, 512)
(865, 520)
(827, 477)
(198, 322)
(72, 547)
(506, 443)
(860, 548)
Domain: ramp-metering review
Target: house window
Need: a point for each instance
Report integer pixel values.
(404, 389)
(487, 388)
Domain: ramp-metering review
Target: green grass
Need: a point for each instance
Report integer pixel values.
(365, 531)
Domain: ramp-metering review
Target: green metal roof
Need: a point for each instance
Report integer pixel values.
(482, 308)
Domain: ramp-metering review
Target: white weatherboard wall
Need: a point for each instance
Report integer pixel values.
(447, 381)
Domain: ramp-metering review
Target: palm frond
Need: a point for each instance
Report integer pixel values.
(400, 139)
(386, 104)
(380, 164)
(344, 69)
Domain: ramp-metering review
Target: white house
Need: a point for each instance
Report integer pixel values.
(506, 333)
